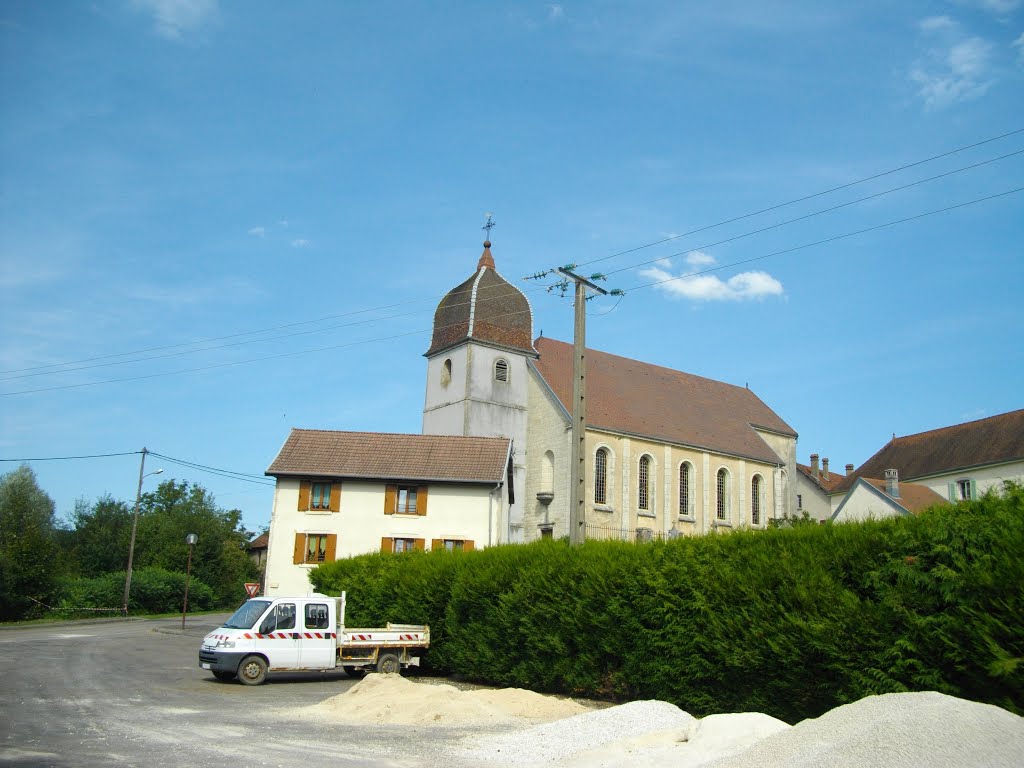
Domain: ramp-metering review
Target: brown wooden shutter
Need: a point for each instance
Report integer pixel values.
(467, 545)
(387, 544)
(419, 544)
(300, 548)
(330, 553)
(390, 499)
(304, 486)
(421, 500)
(436, 544)
(336, 497)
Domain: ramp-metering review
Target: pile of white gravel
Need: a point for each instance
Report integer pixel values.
(903, 729)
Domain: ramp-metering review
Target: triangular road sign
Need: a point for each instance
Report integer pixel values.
(252, 589)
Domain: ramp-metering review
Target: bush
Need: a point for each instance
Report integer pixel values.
(153, 590)
(791, 621)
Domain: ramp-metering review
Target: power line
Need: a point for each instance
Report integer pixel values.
(413, 333)
(61, 367)
(808, 197)
(828, 239)
(244, 476)
(68, 458)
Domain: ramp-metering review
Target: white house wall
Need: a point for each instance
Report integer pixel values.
(464, 512)
(992, 476)
(863, 502)
(813, 500)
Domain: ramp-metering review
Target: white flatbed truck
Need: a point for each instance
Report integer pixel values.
(276, 634)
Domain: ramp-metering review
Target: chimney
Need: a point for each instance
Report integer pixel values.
(824, 468)
(814, 466)
(892, 483)
(849, 469)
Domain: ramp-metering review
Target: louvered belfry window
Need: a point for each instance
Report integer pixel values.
(501, 370)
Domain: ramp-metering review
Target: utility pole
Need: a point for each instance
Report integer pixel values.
(578, 459)
(135, 525)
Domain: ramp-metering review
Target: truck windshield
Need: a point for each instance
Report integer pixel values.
(246, 616)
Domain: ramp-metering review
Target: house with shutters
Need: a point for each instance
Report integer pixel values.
(958, 462)
(340, 494)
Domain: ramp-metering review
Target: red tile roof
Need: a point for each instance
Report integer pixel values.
(386, 456)
(914, 498)
(260, 542)
(826, 483)
(631, 397)
(995, 440)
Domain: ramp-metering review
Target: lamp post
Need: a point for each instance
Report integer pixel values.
(135, 525)
(191, 539)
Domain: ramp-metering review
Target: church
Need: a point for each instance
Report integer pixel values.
(667, 453)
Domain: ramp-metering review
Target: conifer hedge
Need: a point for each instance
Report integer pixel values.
(788, 621)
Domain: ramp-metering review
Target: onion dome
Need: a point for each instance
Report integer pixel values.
(485, 308)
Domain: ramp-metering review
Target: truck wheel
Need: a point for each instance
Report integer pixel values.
(220, 675)
(252, 670)
(388, 663)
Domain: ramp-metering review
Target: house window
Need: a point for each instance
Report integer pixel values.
(404, 545)
(405, 500)
(601, 476)
(722, 499)
(755, 500)
(965, 489)
(644, 484)
(501, 370)
(320, 496)
(685, 473)
(316, 547)
(452, 545)
(401, 544)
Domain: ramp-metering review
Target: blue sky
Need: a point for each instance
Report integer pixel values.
(302, 182)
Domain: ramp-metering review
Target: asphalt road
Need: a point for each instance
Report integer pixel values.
(130, 692)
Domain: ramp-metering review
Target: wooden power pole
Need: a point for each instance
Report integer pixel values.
(578, 459)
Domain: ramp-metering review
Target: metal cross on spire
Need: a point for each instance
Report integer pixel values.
(489, 225)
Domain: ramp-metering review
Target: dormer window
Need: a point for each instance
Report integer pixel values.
(501, 370)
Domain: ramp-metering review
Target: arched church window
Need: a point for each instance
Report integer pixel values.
(685, 488)
(446, 373)
(722, 500)
(755, 500)
(644, 483)
(547, 477)
(601, 476)
(501, 370)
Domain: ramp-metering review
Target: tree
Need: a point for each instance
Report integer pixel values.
(100, 536)
(29, 566)
(177, 509)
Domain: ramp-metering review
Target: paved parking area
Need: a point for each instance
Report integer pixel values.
(130, 692)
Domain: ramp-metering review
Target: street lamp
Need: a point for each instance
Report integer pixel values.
(191, 539)
(135, 524)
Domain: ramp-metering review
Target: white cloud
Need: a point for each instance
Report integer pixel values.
(258, 231)
(998, 7)
(698, 287)
(300, 243)
(933, 23)
(173, 17)
(1019, 45)
(954, 67)
(555, 11)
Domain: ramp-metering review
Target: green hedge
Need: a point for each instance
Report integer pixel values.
(153, 590)
(789, 621)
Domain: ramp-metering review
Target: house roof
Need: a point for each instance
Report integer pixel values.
(486, 308)
(388, 456)
(632, 397)
(827, 484)
(260, 542)
(913, 498)
(995, 440)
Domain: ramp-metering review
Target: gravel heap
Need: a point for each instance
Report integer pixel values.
(896, 729)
